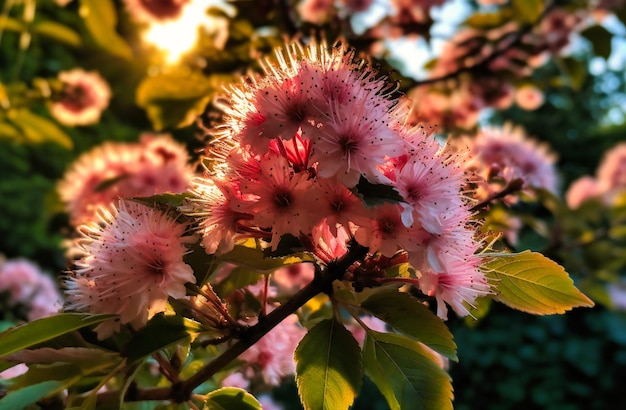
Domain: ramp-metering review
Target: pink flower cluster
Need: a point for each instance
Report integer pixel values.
(610, 180)
(500, 155)
(82, 99)
(155, 165)
(299, 142)
(477, 54)
(28, 286)
(149, 11)
(131, 261)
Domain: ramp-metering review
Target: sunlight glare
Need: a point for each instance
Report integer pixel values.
(176, 38)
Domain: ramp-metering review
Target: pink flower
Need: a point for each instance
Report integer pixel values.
(354, 141)
(429, 182)
(83, 98)
(611, 173)
(218, 221)
(236, 380)
(17, 370)
(581, 190)
(132, 261)
(509, 154)
(330, 243)
(315, 11)
(372, 323)
(273, 354)
(387, 233)
(285, 202)
(150, 11)
(460, 285)
(294, 277)
(529, 98)
(268, 403)
(27, 285)
(155, 165)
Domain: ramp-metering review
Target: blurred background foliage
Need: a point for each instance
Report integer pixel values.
(508, 359)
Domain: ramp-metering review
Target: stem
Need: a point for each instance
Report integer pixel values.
(510, 188)
(181, 392)
(491, 57)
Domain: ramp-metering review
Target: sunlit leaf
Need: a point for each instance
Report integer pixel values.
(532, 283)
(328, 367)
(161, 332)
(489, 20)
(38, 129)
(100, 19)
(409, 316)
(41, 330)
(58, 32)
(406, 374)
(9, 132)
(231, 398)
(11, 24)
(23, 398)
(527, 11)
(176, 98)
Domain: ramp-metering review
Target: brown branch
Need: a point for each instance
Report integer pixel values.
(511, 187)
(181, 392)
(491, 57)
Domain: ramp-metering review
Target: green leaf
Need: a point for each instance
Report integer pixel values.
(527, 11)
(406, 374)
(9, 132)
(532, 283)
(37, 129)
(485, 21)
(23, 398)
(376, 194)
(88, 360)
(328, 367)
(253, 258)
(600, 39)
(576, 71)
(238, 278)
(231, 398)
(160, 332)
(410, 317)
(176, 98)
(11, 24)
(57, 32)
(41, 330)
(100, 19)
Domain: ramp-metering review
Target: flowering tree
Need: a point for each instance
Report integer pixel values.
(331, 220)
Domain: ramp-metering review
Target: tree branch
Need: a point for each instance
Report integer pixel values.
(182, 391)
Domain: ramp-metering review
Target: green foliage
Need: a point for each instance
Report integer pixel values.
(38, 331)
(231, 398)
(160, 332)
(23, 398)
(176, 98)
(409, 316)
(532, 283)
(37, 129)
(328, 367)
(100, 17)
(511, 360)
(406, 373)
(527, 11)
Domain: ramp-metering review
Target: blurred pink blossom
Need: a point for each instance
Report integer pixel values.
(155, 165)
(29, 286)
(83, 98)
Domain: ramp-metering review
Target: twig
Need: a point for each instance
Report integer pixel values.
(181, 392)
